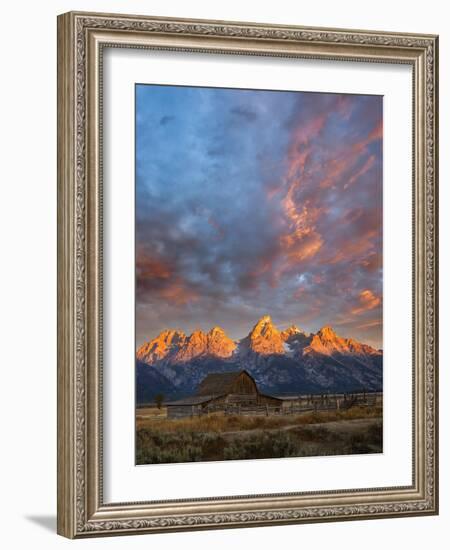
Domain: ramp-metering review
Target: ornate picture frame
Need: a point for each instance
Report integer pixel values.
(82, 38)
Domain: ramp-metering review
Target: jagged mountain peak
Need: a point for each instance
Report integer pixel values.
(264, 319)
(197, 334)
(327, 333)
(327, 342)
(264, 326)
(160, 346)
(291, 332)
(169, 334)
(265, 338)
(216, 331)
(281, 361)
(173, 346)
(219, 344)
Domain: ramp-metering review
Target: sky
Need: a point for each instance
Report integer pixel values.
(254, 202)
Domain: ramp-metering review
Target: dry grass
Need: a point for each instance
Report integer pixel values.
(218, 437)
(144, 412)
(332, 438)
(222, 424)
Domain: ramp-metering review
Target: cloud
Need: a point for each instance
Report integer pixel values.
(150, 268)
(302, 245)
(370, 324)
(363, 170)
(244, 113)
(177, 293)
(165, 120)
(250, 202)
(217, 227)
(367, 301)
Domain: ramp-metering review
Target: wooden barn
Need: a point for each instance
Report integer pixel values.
(222, 391)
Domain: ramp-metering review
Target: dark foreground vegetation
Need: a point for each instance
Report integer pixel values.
(355, 431)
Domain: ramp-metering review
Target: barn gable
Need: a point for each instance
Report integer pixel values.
(221, 383)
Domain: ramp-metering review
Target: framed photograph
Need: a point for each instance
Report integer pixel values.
(247, 288)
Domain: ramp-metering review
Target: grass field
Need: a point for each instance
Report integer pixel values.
(355, 431)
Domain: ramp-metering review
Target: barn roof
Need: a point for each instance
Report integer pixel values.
(219, 383)
(191, 400)
(271, 396)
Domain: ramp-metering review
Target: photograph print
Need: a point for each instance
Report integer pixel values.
(259, 274)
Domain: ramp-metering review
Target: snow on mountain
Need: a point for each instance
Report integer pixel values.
(280, 361)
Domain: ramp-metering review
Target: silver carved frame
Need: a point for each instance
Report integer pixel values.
(81, 39)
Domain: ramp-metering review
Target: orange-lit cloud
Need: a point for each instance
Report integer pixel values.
(367, 301)
(177, 293)
(362, 246)
(365, 168)
(372, 261)
(302, 241)
(309, 175)
(158, 278)
(334, 169)
(375, 134)
(299, 150)
(302, 246)
(370, 324)
(276, 206)
(148, 268)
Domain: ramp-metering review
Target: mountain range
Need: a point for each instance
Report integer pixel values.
(282, 362)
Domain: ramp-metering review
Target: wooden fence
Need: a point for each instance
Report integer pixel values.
(301, 404)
